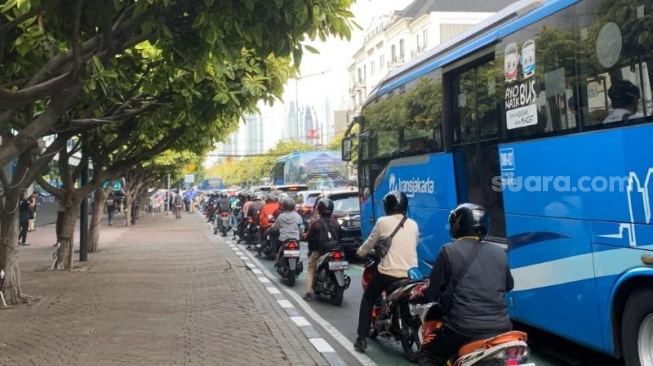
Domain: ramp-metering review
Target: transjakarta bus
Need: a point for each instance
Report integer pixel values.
(316, 169)
(513, 115)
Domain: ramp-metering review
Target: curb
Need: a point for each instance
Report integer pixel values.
(313, 336)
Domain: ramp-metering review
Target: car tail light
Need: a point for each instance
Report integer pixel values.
(337, 255)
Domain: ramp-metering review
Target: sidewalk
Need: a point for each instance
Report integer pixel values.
(162, 292)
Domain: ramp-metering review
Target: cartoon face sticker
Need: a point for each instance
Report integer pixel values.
(528, 58)
(510, 62)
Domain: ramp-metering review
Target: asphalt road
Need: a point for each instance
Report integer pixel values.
(547, 350)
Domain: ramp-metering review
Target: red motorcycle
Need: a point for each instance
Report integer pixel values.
(394, 315)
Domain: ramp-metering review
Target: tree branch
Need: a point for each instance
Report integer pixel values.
(13, 100)
(76, 41)
(35, 11)
(105, 14)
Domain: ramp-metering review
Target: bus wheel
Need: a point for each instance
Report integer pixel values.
(637, 328)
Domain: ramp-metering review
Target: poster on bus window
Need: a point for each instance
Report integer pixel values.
(520, 95)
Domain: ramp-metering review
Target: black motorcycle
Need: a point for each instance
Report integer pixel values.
(288, 265)
(330, 278)
(266, 245)
(394, 315)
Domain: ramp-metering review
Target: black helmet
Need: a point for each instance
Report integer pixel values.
(395, 202)
(288, 205)
(469, 219)
(325, 207)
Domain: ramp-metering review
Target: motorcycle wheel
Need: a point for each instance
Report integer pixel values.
(411, 338)
(224, 232)
(337, 296)
(291, 278)
(215, 230)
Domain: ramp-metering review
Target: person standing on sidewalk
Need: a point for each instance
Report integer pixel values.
(32, 213)
(24, 208)
(59, 226)
(178, 203)
(111, 207)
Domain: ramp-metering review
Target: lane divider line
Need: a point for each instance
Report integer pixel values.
(330, 355)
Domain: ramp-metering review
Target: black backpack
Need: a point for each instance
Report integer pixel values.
(328, 238)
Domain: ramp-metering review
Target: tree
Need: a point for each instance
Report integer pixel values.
(53, 60)
(251, 170)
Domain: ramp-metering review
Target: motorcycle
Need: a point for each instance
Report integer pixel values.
(394, 314)
(330, 278)
(252, 233)
(223, 223)
(288, 265)
(266, 246)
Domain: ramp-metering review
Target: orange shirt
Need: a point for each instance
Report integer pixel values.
(268, 209)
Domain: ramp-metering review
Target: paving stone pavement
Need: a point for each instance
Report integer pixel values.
(162, 292)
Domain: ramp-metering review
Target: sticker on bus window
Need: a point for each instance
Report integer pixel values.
(510, 62)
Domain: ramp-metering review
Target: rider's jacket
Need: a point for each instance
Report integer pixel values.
(478, 299)
(288, 224)
(255, 209)
(402, 255)
(224, 205)
(268, 209)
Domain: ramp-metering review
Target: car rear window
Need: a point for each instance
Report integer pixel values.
(310, 200)
(345, 203)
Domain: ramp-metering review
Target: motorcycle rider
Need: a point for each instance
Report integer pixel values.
(322, 231)
(271, 207)
(289, 224)
(238, 211)
(478, 309)
(254, 210)
(242, 225)
(394, 266)
(223, 204)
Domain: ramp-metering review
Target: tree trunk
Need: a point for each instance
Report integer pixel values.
(67, 242)
(9, 247)
(96, 220)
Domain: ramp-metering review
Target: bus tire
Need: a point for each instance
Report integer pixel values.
(638, 318)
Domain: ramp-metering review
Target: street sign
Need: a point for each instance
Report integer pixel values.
(190, 178)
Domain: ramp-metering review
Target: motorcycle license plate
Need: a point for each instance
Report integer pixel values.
(291, 253)
(338, 266)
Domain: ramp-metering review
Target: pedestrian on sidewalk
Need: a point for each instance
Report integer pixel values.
(24, 207)
(59, 225)
(32, 213)
(111, 207)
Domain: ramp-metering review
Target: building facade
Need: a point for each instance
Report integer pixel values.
(394, 39)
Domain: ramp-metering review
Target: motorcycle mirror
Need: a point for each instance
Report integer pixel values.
(415, 274)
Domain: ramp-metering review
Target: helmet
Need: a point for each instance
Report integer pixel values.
(325, 207)
(395, 202)
(469, 219)
(288, 205)
(269, 198)
(258, 196)
(283, 197)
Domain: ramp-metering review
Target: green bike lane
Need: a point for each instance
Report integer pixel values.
(342, 321)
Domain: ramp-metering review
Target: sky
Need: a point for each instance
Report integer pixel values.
(325, 74)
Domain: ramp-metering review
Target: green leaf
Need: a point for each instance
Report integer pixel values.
(311, 49)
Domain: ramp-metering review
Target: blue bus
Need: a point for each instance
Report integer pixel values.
(212, 184)
(541, 113)
(316, 169)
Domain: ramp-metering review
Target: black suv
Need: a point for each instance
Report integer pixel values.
(346, 209)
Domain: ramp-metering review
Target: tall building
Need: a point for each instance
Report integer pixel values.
(291, 129)
(254, 141)
(397, 38)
